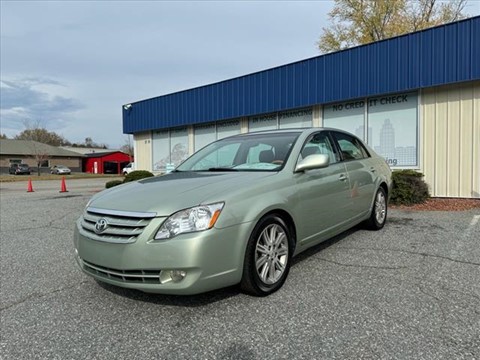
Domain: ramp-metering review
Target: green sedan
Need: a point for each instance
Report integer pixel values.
(235, 212)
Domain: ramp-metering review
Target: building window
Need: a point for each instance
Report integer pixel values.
(295, 119)
(348, 116)
(161, 150)
(228, 128)
(204, 135)
(169, 148)
(15, 161)
(178, 146)
(392, 124)
(283, 120)
(45, 163)
(264, 122)
(393, 120)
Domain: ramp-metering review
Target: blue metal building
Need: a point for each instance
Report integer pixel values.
(412, 76)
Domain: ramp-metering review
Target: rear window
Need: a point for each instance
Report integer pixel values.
(350, 147)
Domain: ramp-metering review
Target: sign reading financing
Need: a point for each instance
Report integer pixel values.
(390, 126)
(283, 120)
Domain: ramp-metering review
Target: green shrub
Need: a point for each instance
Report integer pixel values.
(137, 175)
(408, 188)
(113, 183)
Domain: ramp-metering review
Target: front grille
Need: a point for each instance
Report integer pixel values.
(128, 276)
(119, 227)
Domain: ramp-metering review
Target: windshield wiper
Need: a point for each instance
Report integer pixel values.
(221, 169)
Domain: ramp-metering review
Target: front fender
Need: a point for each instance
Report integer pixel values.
(253, 204)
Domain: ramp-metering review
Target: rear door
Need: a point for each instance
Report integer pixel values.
(361, 172)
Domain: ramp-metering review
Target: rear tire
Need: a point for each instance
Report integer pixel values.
(267, 257)
(378, 217)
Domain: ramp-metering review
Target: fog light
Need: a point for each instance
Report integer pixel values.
(177, 275)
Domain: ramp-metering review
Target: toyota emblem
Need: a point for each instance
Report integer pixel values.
(101, 225)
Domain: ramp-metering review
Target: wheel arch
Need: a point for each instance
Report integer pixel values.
(387, 189)
(383, 185)
(288, 219)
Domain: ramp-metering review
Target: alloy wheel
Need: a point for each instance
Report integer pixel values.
(271, 254)
(380, 207)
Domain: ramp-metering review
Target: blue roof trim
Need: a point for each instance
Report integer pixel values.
(441, 55)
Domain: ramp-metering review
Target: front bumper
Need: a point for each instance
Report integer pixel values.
(211, 260)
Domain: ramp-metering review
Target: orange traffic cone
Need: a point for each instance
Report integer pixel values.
(63, 186)
(30, 187)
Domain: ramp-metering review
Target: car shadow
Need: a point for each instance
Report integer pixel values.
(324, 245)
(214, 296)
(173, 300)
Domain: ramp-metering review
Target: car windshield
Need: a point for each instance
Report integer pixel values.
(252, 152)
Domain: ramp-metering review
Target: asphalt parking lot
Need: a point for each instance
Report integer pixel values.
(410, 291)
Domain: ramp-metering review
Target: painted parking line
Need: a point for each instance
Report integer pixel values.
(471, 226)
(474, 220)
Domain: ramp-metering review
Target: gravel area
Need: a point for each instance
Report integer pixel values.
(442, 204)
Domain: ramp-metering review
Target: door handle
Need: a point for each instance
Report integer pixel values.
(342, 177)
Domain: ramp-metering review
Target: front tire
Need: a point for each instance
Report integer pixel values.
(267, 257)
(378, 217)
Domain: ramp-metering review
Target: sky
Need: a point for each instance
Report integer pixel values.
(69, 66)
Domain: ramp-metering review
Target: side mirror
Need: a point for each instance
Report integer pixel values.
(311, 162)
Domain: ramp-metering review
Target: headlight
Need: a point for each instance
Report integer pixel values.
(198, 218)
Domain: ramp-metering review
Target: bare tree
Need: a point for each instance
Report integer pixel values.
(89, 143)
(36, 132)
(39, 151)
(127, 147)
(356, 22)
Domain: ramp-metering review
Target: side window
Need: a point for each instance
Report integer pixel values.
(319, 144)
(350, 147)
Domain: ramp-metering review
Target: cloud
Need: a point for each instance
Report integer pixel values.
(109, 53)
(34, 100)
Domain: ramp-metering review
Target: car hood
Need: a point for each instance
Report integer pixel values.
(169, 193)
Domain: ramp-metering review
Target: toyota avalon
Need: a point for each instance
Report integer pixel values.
(235, 212)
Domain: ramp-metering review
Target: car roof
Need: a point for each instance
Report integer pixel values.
(277, 131)
(306, 130)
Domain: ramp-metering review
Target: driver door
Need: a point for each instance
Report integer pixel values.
(323, 194)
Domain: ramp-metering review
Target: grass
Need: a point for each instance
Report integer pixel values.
(34, 176)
